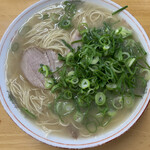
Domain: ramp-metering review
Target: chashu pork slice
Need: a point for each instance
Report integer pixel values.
(30, 64)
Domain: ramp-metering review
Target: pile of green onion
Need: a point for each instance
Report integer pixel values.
(99, 78)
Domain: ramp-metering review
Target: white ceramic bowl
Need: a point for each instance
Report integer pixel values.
(33, 130)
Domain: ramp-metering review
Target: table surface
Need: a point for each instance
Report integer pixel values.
(13, 138)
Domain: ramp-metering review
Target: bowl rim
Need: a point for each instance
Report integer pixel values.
(55, 143)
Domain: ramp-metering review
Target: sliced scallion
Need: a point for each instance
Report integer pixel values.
(95, 60)
(65, 23)
(24, 30)
(85, 83)
(15, 46)
(55, 88)
(91, 127)
(128, 101)
(64, 108)
(100, 98)
(67, 94)
(118, 102)
(119, 10)
(105, 121)
(130, 62)
(45, 16)
(111, 86)
(49, 82)
(112, 112)
(78, 117)
(28, 113)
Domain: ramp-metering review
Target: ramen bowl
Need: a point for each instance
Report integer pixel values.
(59, 141)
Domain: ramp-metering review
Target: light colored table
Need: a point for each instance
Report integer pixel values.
(13, 138)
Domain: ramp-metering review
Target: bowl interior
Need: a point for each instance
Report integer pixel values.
(31, 128)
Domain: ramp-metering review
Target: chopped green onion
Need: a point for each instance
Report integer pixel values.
(119, 55)
(11, 97)
(130, 62)
(24, 30)
(104, 40)
(118, 103)
(105, 121)
(106, 64)
(49, 82)
(78, 117)
(67, 45)
(119, 10)
(74, 80)
(55, 88)
(147, 73)
(67, 94)
(85, 83)
(65, 23)
(60, 57)
(80, 102)
(95, 60)
(100, 98)
(90, 91)
(64, 108)
(69, 58)
(106, 47)
(100, 115)
(82, 28)
(123, 32)
(111, 86)
(71, 73)
(45, 16)
(111, 112)
(103, 109)
(116, 68)
(128, 101)
(91, 127)
(125, 55)
(55, 17)
(45, 70)
(28, 113)
(77, 41)
(15, 46)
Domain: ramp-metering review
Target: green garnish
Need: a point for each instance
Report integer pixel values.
(70, 9)
(78, 117)
(15, 46)
(44, 70)
(49, 82)
(98, 75)
(100, 98)
(24, 30)
(119, 10)
(128, 101)
(111, 112)
(64, 108)
(85, 83)
(124, 32)
(65, 23)
(28, 113)
(55, 17)
(111, 86)
(117, 103)
(67, 45)
(91, 127)
(45, 16)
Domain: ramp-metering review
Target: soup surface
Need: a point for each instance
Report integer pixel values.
(73, 69)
